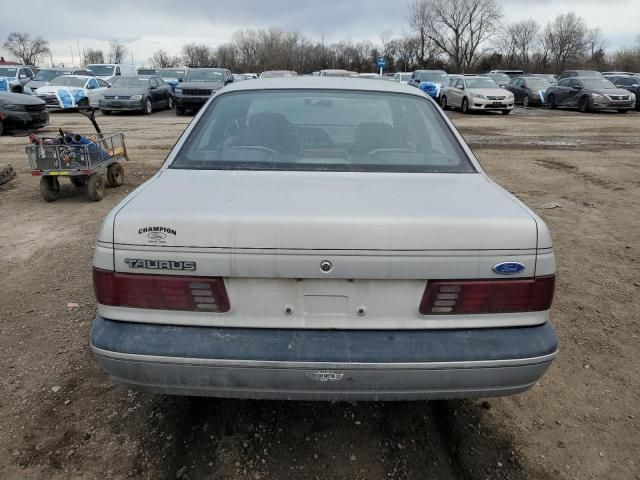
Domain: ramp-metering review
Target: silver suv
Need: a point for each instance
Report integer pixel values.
(17, 76)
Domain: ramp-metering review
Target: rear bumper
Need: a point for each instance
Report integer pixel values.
(323, 365)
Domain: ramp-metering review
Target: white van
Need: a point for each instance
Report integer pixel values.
(109, 71)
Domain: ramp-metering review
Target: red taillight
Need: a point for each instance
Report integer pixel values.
(488, 296)
(160, 292)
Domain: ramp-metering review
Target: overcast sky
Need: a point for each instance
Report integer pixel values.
(147, 25)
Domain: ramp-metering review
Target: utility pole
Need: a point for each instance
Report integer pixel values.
(73, 62)
(79, 54)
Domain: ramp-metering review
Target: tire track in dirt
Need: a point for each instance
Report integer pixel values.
(198, 438)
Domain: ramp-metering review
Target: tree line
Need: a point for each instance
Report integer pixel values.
(457, 35)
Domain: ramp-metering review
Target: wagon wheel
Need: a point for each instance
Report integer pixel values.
(95, 187)
(115, 175)
(49, 189)
(78, 181)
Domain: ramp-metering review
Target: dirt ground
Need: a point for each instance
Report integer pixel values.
(62, 418)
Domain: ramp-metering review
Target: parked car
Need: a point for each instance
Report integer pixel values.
(109, 71)
(501, 79)
(477, 93)
(402, 77)
(420, 76)
(142, 94)
(278, 73)
(508, 73)
(45, 75)
(72, 91)
(453, 78)
(549, 77)
(629, 83)
(280, 269)
(335, 73)
(22, 112)
(16, 77)
(529, 91)
(198, 86)
(579, 73)
(148, 71)
(172, 76)
(608, 74)
(590, 93)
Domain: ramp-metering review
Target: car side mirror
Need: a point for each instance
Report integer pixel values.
(152, 87)
(180, 80)
(230, 80)
(576, 88)
(462, 87)
(22, 76)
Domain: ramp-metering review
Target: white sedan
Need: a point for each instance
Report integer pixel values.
(72, 91)
(326, 239)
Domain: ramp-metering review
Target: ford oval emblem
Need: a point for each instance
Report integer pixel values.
(508, 268)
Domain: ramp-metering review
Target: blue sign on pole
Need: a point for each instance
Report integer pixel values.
(382, 63)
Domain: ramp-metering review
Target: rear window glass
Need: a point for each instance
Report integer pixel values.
(322, 130)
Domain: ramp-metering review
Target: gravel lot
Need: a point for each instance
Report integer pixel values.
(61, 417)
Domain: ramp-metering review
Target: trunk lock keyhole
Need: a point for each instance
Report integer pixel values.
(361, 311)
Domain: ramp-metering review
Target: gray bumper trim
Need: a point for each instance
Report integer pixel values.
(211, 362)
(271, 369)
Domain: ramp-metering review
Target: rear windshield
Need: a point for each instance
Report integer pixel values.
(434, 77)
(322, 130)
(101, 70)
(47, 75)
(68, 81)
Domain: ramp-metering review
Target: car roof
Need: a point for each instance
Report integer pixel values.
(323, 83)
(584, 78)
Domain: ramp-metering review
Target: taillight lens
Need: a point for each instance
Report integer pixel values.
(488, 296)
(160, 292)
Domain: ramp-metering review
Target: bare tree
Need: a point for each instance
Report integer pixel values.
(421, 22)
(197, 54)
(117, 51)
(93, 56)
(518, 43)
(596, 45)
(227, 56)
(26, 49)
(161, 59)
(460, 27)
(565, 40)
